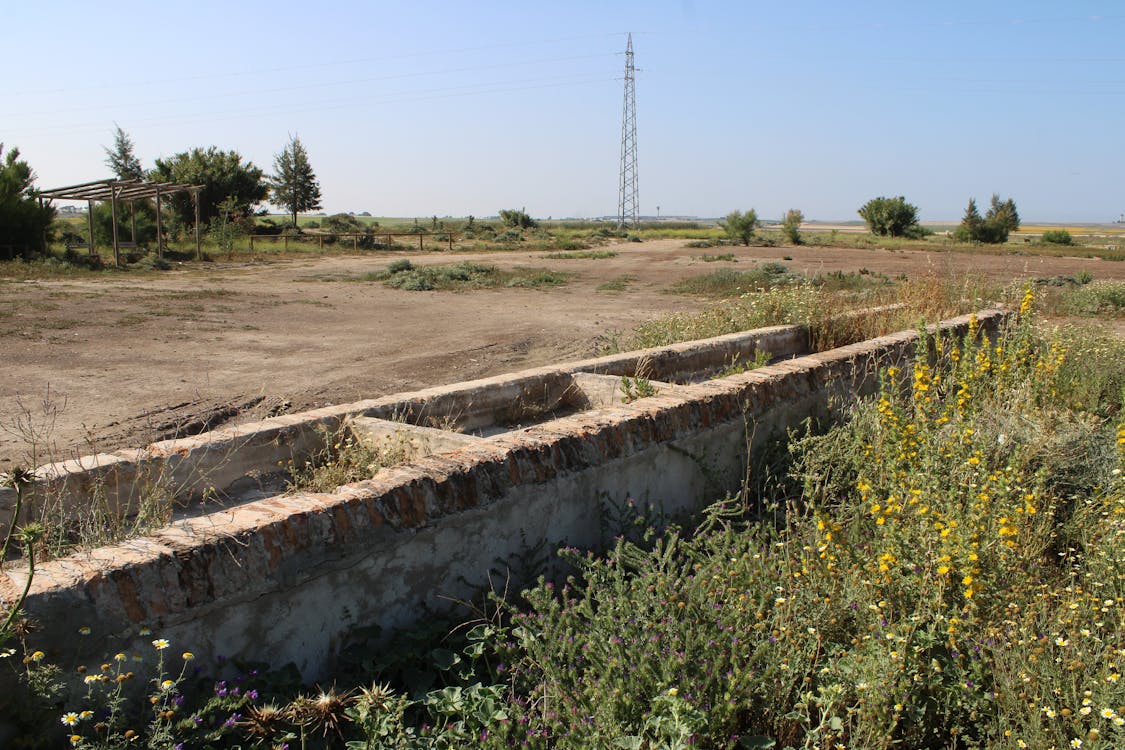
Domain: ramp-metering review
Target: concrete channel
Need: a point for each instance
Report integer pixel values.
(500, 465)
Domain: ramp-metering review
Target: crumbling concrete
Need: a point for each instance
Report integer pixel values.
(283, 578)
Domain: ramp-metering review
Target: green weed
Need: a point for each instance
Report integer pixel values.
(618, 284)
(404, 275)
(582, 255)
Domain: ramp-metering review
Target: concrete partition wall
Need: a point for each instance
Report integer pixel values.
(283, 579)
(227, 464)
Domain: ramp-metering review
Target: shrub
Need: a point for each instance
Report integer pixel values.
(1057, 237)
(400, 265)
(517, 219)
(891, 217)
(1001, 219)
(791, 225)
(950, 575)
(740, 226)
(23, 222)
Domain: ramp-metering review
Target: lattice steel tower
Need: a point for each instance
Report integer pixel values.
(627, 202)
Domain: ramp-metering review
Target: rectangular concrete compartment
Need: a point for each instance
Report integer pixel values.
(232, 465)
(282, 578)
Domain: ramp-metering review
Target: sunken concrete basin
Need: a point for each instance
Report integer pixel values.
(509, 463)
(238, 464)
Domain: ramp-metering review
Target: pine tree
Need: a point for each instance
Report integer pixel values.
(1004, 214)
(23, 222)
(293, 185)
(121, 159)
(971, 224)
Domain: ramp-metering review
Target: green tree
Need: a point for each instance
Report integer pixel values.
(222, 174)
(971, 224)
(121, 159)
(144, 218)
(891, 217)
(23, 222)
(293, 185)
(1002, 218)
(517, 219)
(740, 226)
(791, 226)
(994, 227)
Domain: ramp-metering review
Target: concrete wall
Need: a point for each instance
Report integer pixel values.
(223, 463)
(284, 578)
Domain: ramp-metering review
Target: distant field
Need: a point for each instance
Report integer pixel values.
(1089, 230)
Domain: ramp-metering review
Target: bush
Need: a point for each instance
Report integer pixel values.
(791, 225)
(1057, 237)
(341, 224)
(23, 222)
(891, 217)
(517, 219)
(1001, 219)
(740, 226)
(400, 265)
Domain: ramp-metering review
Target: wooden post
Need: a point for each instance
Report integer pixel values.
(113, 217)
(419, 242)
(159, 227)
(286, 242)
(90, 224)
(450, 238)
(320, 241)
(133, 221)
(46, 227)
(355, 243)
(198, 250)
(251, 243)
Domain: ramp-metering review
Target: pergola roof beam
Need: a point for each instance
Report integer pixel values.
(125, 190)
(104, 190)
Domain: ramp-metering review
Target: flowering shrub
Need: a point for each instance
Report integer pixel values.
(952, 574)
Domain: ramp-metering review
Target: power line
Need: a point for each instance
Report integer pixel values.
(627, 201)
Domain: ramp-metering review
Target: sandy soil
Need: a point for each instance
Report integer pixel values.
(112, 362)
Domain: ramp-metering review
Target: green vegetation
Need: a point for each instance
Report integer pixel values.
(940, 567)
(633, 388)
(738, 366)
(122, 158)
(891, 217)
(344, 458)
(1099, 299)
(1001, 219)
(726, 257)
(791, 225)
(402, 274)
(731, 283)
(617, 284)
(517, 219)
(827, 308)
(727, 282)
(740, 226)
(1057, 237)
(222, 174)
(293, 184)
(582, 255)
(23, 222)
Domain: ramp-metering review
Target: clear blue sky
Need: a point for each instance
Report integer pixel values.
(455, 108)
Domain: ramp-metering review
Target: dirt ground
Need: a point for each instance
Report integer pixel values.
(104, 363)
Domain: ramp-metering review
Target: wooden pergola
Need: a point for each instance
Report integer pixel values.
(117, 191)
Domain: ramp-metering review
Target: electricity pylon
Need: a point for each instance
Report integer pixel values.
(627, 202)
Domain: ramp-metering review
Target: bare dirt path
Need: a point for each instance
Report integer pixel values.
(131, 358)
